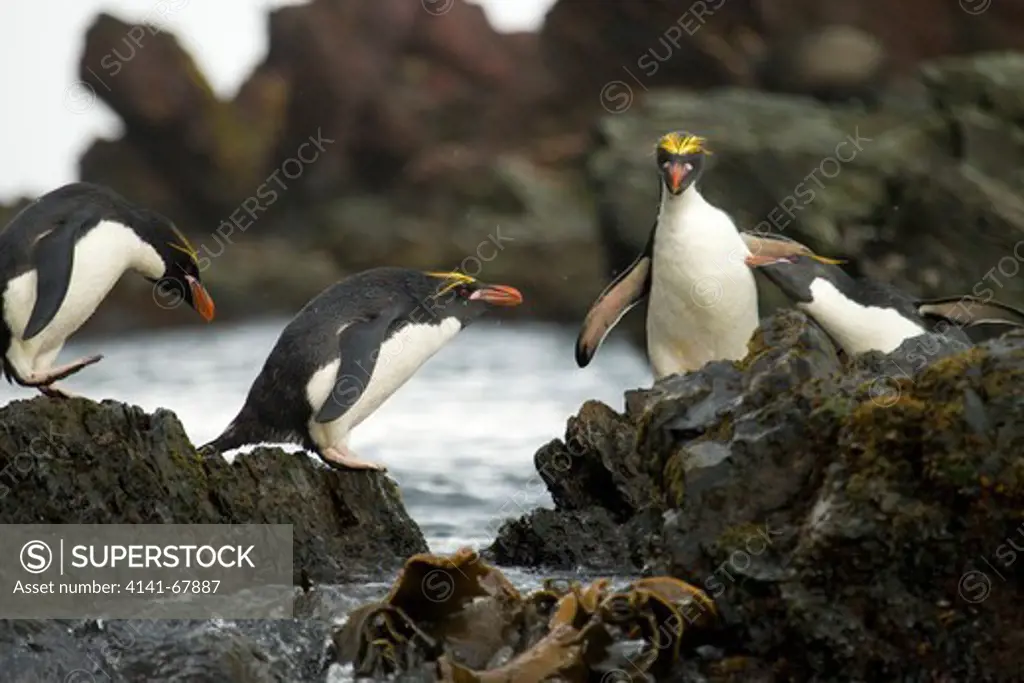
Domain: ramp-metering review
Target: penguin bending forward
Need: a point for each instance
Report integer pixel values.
(348, 350)
(863, 315)
(695, 271)
(60, 257)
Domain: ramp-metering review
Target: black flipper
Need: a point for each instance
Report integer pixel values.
(53, 258)
(970, 311)
(626, 291)
(360, 344)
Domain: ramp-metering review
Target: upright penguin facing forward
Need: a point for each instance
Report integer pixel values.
(694, 269)
(61, 256)
(348, 350)
(862, 315)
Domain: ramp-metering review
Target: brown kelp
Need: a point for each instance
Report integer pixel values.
(460, 619)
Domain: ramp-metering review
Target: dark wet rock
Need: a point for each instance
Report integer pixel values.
(203, 654)
(851, 518)
(570, 539)
(272, 651)
(76, 461)
(81, 462)
(707, 394)
(597, 481)
(36, 651)
(595, 466)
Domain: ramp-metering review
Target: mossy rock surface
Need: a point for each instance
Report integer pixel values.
(851, 518)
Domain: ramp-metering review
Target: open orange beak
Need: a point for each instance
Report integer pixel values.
(201, 299)
(498, 295)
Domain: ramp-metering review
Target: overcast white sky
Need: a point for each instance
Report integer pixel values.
(44, 129)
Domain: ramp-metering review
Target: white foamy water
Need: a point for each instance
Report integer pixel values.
(459, 437)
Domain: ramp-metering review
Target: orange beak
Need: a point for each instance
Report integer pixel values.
(201, 299)
(674, 175)
(498, 295)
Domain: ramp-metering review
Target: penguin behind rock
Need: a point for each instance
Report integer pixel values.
(863, 315)
(703, 298)
(60, 257)
(348, 350)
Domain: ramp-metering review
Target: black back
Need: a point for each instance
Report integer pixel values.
(78, 206)
(795, 280)
(43, 235)
(276, 408)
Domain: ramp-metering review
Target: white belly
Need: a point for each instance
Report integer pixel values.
(703, 301)
(100, 259)
(400, 357)
(855, 327)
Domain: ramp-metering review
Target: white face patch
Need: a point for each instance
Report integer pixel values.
(399, 359)
(100, 259)
(856, 327)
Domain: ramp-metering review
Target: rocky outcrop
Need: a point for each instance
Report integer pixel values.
(80, 462)
(610, 53)
(366, 88)
(256, 651)
(851, 520)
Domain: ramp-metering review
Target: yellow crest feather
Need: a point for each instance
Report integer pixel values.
(676, 143)
(455, 277)
(185, 246)
(829, 261)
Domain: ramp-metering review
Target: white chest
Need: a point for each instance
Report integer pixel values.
(100, 259)
(399, 359)
(703, 296)
(855, 327)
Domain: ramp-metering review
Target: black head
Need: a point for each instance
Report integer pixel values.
(681, 158)
(459, 295)
(181, 280)
(177, 281)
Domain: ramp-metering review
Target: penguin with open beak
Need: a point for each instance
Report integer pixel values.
(60, 257)
(863, 315)
(348, 350)
(694, 270)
